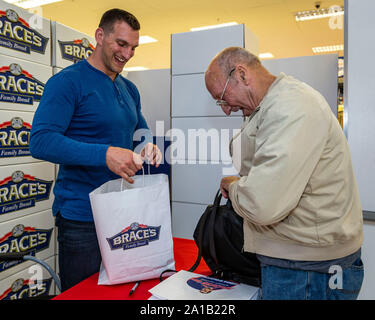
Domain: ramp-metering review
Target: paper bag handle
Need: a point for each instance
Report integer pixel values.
(143, 174)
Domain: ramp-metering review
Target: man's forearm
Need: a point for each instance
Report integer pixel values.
(57, 148)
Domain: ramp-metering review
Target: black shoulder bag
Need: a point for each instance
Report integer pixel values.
(219, 237)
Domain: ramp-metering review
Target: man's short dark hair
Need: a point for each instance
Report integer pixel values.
(112, 16)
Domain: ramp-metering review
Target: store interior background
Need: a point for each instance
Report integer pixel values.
(272, 21)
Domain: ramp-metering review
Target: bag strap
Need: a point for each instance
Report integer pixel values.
(165, 271)
(202, 229)
(143, 174)
(200, 238)
(211, 227)
(200, 235)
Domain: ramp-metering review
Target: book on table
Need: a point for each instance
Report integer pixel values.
(185, 285)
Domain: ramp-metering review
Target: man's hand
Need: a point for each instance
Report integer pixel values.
(151, 153)
(224, 185)
(123, 162)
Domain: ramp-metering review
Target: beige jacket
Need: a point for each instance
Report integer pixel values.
(297, 192)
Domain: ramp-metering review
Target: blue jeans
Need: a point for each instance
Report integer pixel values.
(79, 253)
(288, 284)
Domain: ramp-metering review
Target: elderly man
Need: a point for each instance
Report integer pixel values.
(296, 192)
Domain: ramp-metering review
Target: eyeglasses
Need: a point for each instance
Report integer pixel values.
(220, 102)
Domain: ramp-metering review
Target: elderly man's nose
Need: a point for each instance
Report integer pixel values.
(226, 109)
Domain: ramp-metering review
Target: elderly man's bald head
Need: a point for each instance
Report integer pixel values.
(226, 60)
(237, 80)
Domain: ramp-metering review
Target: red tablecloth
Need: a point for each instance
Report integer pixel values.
(185, 253)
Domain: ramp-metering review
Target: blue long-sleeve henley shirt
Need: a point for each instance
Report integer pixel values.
(82, 112)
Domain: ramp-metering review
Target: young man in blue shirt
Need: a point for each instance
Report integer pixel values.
(85, 122)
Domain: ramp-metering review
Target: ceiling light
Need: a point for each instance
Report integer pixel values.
(27, 4)
(135, 69)
(146, 39)
(319, 13)
(266, 55)
(214, 26)
(338, 47)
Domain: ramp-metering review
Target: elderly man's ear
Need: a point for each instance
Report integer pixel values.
(242, 73)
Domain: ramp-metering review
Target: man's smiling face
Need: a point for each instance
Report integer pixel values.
(118, 47)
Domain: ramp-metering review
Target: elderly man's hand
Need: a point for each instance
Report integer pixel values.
(224, 185)
(152, 153)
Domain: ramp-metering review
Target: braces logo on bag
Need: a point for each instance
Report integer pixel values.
(23, 289)
(207, 285)
(16, 34)
(23, 239)
(14, 138)
(21, 191)
(134, 236)
(19, 86)
(76, 50)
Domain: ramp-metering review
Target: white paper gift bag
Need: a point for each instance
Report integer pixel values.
(133, 226)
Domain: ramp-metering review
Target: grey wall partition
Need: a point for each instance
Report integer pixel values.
(193, 51)
(320, 72)
(359, 96)
(154, 88)
(359, 111)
